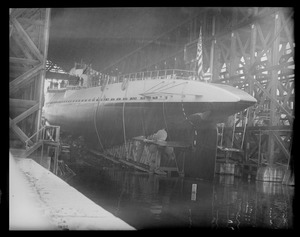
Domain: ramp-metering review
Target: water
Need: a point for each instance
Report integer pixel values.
(150, 201)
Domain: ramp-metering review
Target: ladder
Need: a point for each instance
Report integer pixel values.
(221, 134)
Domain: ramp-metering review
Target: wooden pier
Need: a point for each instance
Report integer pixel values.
(39, 200)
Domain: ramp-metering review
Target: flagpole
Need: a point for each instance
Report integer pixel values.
(212, 48)
(199, 57)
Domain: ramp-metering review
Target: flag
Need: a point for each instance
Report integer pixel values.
(85, 70)
(199, 58)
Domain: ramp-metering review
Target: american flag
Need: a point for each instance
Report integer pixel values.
(199, 58)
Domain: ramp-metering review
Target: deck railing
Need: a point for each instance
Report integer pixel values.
(46, 133)
(171, 74)
(158, 74)
(147, 75)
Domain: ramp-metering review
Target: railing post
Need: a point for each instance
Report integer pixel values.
(43, 133)
(55, 161)
(57, 134)
(42, 152)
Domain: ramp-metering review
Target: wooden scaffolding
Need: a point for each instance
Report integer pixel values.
(28, 47)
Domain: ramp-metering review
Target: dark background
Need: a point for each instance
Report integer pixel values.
(102, 35)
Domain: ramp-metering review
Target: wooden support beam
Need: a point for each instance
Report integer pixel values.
(32, 149)
(24, 115)
(28, 41)
(268, 46)
(260, 128)
(26, 48)
(242, 47)
(280, 143)
(43, 73)
(19, 81)
(271, 68)
(25, 61)
(20, 103)
(274, 59)
(263, 39)
(288, 28)
(55, 168)
(20, 134)
(233, 54)
(17, 12)
(253, 44)
(16, 41)
(31, 21)
(288, 97)
(272, 99)
(20, 69)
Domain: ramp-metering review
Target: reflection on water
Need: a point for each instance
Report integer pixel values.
(150, 201)
(253, 204)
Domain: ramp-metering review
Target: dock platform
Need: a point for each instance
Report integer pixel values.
(39, 200)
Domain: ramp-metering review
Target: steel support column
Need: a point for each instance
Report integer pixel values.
(273, 91)
(29, 32)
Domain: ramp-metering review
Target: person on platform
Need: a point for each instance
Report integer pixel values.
(62, 84)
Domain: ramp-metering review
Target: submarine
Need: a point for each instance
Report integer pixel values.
(119, 109)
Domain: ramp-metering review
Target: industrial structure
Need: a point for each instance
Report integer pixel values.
(28, 48)
(249, 48)
(28, 37)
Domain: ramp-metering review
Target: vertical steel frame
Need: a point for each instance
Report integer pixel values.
(253, 50)
(28, 46)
